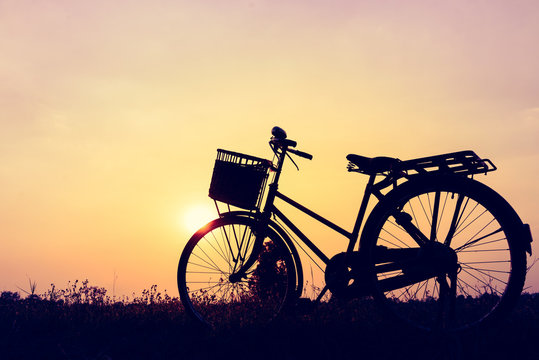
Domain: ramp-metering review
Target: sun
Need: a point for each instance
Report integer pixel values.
(197, 216)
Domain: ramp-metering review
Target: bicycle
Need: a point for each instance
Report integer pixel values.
(439, 250)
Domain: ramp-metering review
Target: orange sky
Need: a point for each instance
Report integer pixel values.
(110, 114)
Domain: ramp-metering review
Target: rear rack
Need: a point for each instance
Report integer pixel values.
(462, 163)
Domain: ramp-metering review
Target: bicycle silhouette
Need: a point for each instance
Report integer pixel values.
(439, 250)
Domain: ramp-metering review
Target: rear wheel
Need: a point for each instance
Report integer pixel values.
(226, 278)
(446, 253)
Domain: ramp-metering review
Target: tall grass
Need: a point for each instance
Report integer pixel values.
(81, 321)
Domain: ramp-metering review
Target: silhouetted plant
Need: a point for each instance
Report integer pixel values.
(269, 276)
(8, 296)
(31, 295)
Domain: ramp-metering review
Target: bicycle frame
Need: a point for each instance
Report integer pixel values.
(270, 208)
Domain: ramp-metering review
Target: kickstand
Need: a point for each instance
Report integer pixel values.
(322, 293)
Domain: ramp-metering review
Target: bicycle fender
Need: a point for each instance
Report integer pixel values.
(239, 213)
(527, 236)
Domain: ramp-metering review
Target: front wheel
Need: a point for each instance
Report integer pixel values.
(229, 276)
(445, 252)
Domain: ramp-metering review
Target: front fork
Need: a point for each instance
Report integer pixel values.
(260, 230)
(246, 263)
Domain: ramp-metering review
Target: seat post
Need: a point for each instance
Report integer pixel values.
(361, 213)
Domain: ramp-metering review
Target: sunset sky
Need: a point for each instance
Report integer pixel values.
(111, 113)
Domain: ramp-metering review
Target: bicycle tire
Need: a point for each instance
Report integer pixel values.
(484, 232)
(217, 251)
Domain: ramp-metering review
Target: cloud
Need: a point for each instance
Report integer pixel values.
(520, 135)
(530, 118)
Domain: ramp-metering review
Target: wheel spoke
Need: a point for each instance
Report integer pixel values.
(218, 251)
(478, 251)
(207, 288)
(471, 241)
(455, 220)
(481, 281)
(425, 292)
(210, 263)
(413, 214)
(394, 237)
(473, 226)
(460, 230)
(427, 216)
(206, 267)
(226, 245)
(434, 222)
(469, 286)
(486, 243)
(419, 287)
(246, 240)
(486, 274)
(226, 240)
(487, 270)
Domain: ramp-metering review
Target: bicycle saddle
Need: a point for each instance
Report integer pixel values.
(371, 166)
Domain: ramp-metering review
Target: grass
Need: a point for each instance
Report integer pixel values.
(82, 322)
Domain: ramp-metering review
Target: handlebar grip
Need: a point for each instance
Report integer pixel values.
(288, 142)
(301, 154)
(284, 142)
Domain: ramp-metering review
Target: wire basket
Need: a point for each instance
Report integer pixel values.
(239, 179)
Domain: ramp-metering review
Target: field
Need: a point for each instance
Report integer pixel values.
(82, 322)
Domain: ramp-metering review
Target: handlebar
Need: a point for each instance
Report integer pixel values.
(279, 139)
(301, 154)
(283, 142)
